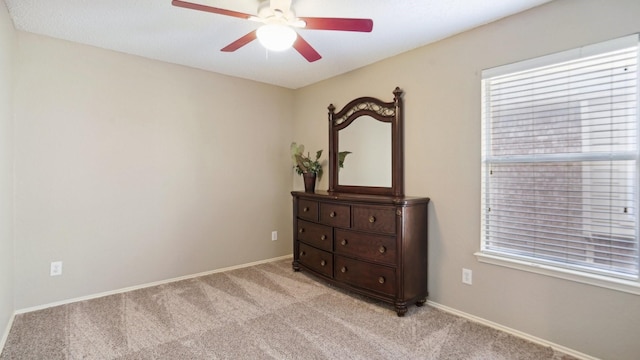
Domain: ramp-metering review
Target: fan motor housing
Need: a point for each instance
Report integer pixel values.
(268, 10)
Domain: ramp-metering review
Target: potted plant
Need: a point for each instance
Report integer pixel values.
(309, 168)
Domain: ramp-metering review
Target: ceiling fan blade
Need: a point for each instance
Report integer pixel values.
(342, 24)
(305, 49)
(188, 5)
(240, 42)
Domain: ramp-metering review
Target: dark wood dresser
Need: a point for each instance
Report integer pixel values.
(373, 245)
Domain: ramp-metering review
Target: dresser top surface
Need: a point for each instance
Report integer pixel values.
(379, 199)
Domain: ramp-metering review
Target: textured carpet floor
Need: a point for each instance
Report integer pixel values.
(261, 312)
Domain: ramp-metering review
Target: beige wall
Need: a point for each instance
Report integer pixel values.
(7, 53)
(132, 171)
(442, 150)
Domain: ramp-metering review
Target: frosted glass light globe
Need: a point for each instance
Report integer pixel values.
(276, 37)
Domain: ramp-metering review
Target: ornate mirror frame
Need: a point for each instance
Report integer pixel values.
(389, 112)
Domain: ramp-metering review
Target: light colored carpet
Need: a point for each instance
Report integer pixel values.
(261, 312)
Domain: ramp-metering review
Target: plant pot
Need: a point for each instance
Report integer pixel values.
(309, 182)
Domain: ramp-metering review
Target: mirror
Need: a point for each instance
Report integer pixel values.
(369, 162)
(372, 131)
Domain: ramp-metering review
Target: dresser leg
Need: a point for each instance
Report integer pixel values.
(420, 303)
(401, 309)
(295, 266)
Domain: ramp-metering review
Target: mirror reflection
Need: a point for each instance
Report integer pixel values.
(369, 163)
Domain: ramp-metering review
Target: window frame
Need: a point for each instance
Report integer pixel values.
(573, 273)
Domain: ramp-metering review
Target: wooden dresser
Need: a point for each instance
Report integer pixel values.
(373, 245)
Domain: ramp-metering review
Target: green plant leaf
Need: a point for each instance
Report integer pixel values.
(303, 163)
(341, 156)
(296, 149)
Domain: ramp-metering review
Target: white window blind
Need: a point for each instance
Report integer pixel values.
(560, 160)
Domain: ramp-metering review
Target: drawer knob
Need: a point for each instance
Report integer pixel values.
(301, 230)
(323, 237)
(332, 214)
(372, 219)
(306, 209)
(344, 269)
(323, 263)
(302, 253)
(382, 249)
(381, 280)
(343, 242)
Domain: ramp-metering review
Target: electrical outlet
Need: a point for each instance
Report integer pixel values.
(467, 276)
(274, 235)
(56, 268)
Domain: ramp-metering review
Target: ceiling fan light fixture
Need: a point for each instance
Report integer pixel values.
(276, 37)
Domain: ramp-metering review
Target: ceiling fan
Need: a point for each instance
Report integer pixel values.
(279, 22)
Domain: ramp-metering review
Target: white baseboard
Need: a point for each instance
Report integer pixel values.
(142, 286)
(5, 335)
(513, 332)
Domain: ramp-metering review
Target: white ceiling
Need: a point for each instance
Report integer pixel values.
(155, 29)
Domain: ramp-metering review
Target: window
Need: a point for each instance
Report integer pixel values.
(560, 164)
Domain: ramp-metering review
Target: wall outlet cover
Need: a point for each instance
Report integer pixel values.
(56, 268)
(467, 276)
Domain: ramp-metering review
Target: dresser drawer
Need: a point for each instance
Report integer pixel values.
(318, 260)
(335, 215)
(317, 235)
(378, 248)
(378, 278)
(308, 210)
(380, 219)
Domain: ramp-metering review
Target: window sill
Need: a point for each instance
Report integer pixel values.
(628, 286)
